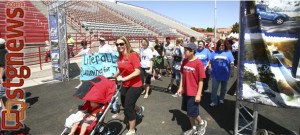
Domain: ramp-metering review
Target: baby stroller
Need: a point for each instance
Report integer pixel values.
(100, 90)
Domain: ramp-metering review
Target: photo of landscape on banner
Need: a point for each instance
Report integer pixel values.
(270, 67)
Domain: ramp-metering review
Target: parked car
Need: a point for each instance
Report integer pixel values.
(277, 54)
(266, 13)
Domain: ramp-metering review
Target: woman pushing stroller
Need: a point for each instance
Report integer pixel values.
(129, 67)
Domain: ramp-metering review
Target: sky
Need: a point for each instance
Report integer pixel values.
(198, 14)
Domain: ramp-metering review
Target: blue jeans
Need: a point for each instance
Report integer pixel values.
(115, 106)
(206, 80)
(215, 87)
(176, 75)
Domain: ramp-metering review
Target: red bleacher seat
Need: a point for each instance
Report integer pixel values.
(35, 23)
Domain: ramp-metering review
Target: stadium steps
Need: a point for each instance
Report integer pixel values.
(44, 10)
(128, 20)
(169, 22)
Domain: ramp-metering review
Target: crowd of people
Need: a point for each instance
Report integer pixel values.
(191, 64)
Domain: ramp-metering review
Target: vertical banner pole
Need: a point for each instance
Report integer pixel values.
(57, 36)
(240, 65)
(64, 59)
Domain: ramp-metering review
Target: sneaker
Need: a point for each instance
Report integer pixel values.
(176, 95)
(140, 114)
(206, 91)
(221, 101)
(130, 133)
(201, 128)
(77, 87)
(169, 87)
(158, 78)
(152, 79)
(212, 104)
(192, 131)
(115, 116)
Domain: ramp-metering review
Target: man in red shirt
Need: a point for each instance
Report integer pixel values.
(191, 83)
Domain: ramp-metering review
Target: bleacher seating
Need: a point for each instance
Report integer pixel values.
(35, 24)
(147, 22)
(96, 18)
(180, 27)
(100, 17)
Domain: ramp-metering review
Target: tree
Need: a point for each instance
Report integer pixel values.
(235, 28)
(195, 29)
(277, 9)
(208, 29)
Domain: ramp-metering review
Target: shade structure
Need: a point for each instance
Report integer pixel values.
(99, 89)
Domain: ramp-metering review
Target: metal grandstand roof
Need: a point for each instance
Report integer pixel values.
(60, 4)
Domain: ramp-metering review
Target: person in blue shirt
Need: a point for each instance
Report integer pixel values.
(222, 64)
(203, 54)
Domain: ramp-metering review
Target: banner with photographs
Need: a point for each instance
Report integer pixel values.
(269, 53)
(64, 60)
(98, 64)
(55, 49)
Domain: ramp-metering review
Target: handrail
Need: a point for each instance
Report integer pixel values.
(35, 55)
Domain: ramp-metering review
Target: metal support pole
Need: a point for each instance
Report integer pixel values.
(215, 21)
(40, 58)
(255, 118)
(236, 116)
(240, 68)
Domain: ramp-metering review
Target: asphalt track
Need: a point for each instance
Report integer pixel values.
(51, 104)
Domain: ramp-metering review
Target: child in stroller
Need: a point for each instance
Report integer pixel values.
(89, 113)
(99, 93)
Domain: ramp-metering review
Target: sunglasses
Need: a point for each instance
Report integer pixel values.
(120, 44)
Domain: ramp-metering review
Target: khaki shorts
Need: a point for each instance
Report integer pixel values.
(168, 63)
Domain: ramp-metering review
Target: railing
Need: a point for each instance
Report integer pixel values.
(36, 55)
(73, 23)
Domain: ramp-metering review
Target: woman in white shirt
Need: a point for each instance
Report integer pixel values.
(146, 64)
(84, 50)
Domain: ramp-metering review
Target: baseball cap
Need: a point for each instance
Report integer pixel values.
(102, 39)
(192, 46)
(2, 41)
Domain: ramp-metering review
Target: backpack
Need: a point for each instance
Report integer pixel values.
(178, 58)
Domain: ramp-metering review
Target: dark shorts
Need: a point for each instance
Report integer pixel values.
(190, 106)
(146, 77)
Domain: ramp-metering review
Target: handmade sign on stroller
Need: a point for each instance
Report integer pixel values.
(99, 94)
